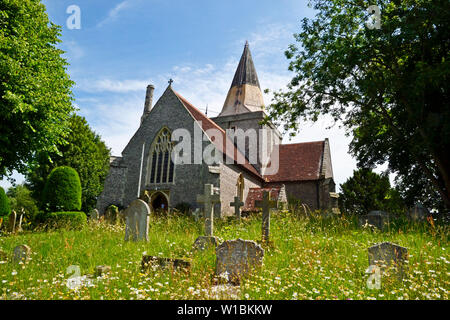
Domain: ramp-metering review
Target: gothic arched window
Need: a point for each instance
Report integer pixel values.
(161, 166)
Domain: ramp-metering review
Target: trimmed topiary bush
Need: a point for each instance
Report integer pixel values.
(67, 220)
(62, 191)
(5, 208)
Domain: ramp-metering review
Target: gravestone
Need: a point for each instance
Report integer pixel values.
(237, 204)
(173, 264)
(22, 253)
(237, 258)
(208, 198)
(388, 254)
(137, 217)
(101, 270)
(12, 219)
(204, 242)
(378, 219)
(266, 204)
(112, 214)
(418, 212)
(196, 214)
(95, 216)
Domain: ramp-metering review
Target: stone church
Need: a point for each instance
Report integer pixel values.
(147, 168)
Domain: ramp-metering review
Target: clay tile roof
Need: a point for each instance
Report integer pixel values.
(227, 147)
(255, 194)
(299, 162)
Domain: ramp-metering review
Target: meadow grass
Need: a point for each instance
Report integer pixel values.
(311, 258)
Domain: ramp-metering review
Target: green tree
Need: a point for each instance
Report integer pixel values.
(366, 191)
(5, 208)
(20, 197)
(388, 86)
(85, 152)
(62, 191)
(35, 89)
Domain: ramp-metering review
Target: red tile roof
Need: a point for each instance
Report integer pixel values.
(230, 149)
(298, 162)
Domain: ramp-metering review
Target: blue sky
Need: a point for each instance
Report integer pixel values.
(123, 46)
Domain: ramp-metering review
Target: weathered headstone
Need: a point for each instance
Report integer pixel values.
(95, 215)
(196, 214)
(22, 253)
(378, 219)
(209, 199)
(237, 258)
(174, 264)
(137, 217)
(388, 254)
(101, 270)
(112, 214)
(12, 219)
(204, 242)
(418, 212)
(237, 204)
(266, 204)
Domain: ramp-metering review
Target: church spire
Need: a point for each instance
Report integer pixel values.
(245, 93)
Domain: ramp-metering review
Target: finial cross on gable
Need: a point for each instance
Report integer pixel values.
(170, 81)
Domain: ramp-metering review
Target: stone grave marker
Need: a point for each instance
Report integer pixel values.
(101, 270)
(418, 212)
(22, 253)
(208, 199)
(388, 254)
(237, 204)
(95, 216)
(19, 223)
(266, 204)
(137, 217)
(378, 219)
(112, 214)
(173, 264)
(12, 219)
(237, 258)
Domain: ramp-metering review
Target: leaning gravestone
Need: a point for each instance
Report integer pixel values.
(137, 219)
(378, 219)
(418, 212)
(388, 254)
(22, 253)
(237, 258)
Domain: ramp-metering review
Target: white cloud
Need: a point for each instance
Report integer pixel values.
(113, 14)
(73, 50)
(111, 85)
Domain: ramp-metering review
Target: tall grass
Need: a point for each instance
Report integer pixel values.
(311, 258)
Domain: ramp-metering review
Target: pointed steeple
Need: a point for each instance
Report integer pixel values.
(246, 72)
(245, 94)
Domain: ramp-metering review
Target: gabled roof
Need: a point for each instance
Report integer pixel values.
(227, 147)
(245, 72)
(299, 162)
